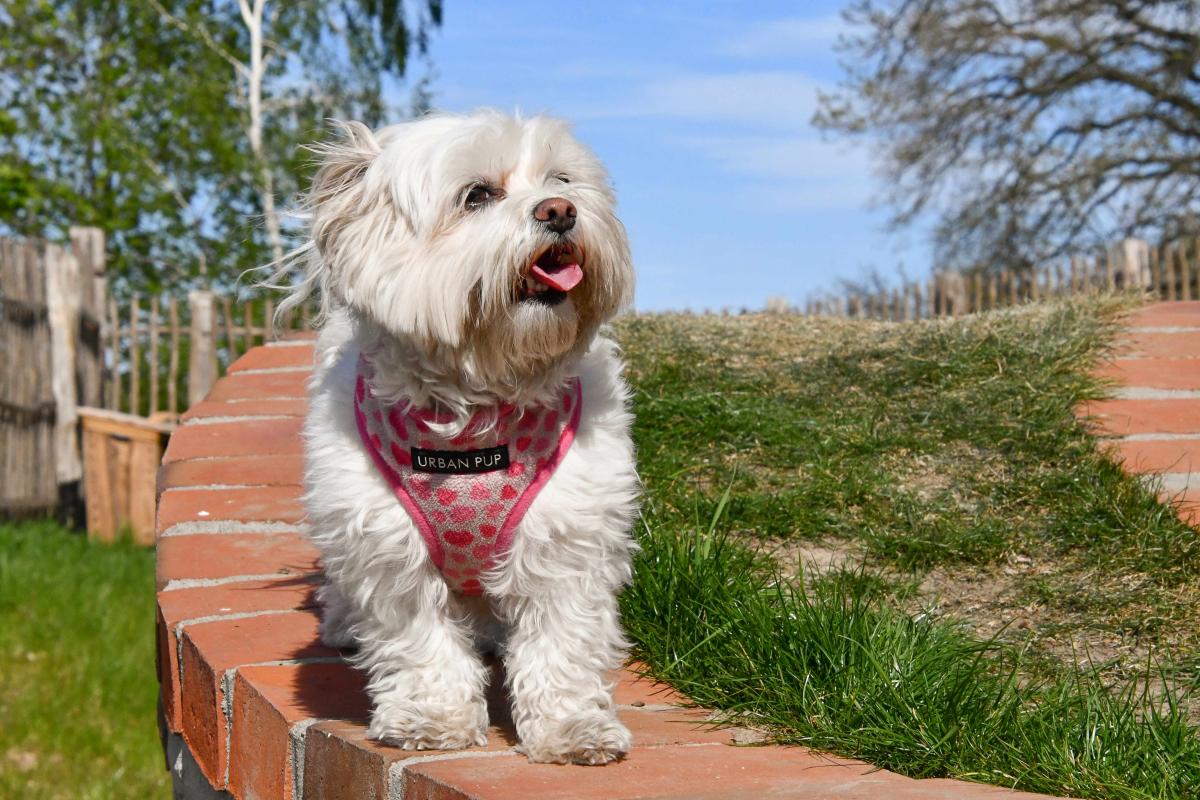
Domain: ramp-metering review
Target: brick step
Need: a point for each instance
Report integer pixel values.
(1159, 455)
(253, 703)
(1154, 373)
(1156, 423)
(1121, 417)
(1176, 314)
(1157, 343)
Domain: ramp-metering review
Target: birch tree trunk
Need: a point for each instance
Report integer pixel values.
(253, 17)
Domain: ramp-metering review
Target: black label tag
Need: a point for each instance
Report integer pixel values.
(460, 462)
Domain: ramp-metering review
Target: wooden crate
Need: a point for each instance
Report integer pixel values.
(121, 456)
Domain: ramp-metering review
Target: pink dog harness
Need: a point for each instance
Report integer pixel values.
(466, 494)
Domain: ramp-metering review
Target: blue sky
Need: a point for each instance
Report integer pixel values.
(701, 113)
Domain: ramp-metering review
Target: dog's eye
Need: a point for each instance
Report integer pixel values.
(480, 195)
(562, 178)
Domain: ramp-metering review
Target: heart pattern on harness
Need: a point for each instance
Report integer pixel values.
(466, 519)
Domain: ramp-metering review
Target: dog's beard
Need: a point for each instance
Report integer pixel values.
(526, 339)
(515, 339)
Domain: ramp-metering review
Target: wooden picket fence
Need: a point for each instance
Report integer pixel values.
(166, 351)
(69, 352)
(1168, 272)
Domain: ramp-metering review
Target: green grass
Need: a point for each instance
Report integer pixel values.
(835, 669)
(932, 455)
(77, 682)
(948, 445)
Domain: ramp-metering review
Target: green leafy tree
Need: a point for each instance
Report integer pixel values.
(175, 125)
(106, 123)
(1030, 128)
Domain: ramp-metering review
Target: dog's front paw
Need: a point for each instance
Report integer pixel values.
(411, 726)
(592, 737)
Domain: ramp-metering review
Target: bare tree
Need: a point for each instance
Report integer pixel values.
(1030, 128)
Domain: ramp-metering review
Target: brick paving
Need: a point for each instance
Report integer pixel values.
(254, 706)
(1153, 418)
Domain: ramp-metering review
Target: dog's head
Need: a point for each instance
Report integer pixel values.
(484, 236)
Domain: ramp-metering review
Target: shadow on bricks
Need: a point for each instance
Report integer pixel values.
(338, 691)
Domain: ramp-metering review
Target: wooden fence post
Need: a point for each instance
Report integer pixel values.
(248, 323)
(1134, 258)
(1172, 279)
(152, 350)
(230, 337)
(88, 246)
(173, 364)
(202, 373)
(1185, 271)
(135, 356)
(27, 474)
(114, 344)
(64, 297)
(268, 319)
(1156, 277)
(1195, 271)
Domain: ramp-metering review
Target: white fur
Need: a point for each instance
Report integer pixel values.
(424, 289)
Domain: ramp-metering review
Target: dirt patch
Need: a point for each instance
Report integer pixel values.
(951, 474)
(1007, 602)
(814, 557)
(22, 760)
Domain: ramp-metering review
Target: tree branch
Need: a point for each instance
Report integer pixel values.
(202, 34)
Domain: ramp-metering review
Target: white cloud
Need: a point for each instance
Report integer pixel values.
(791, 157)
(787, 37)
(763, 99)
(795, 172)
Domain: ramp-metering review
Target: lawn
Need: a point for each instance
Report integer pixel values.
(77, 683)
(895, 542)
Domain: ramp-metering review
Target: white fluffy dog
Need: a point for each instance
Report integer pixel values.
(470, 478)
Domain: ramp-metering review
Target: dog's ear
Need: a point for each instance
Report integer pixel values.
(336, 195)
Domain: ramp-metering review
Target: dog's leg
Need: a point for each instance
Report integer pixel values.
(427, 682)
(564, 644)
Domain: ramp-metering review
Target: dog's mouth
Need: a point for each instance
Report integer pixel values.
(555, 271)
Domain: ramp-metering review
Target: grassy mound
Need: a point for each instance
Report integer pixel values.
(908, 451)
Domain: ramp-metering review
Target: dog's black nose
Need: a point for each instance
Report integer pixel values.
(557, 212)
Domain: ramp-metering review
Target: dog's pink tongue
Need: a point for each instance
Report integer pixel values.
(565, 278)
